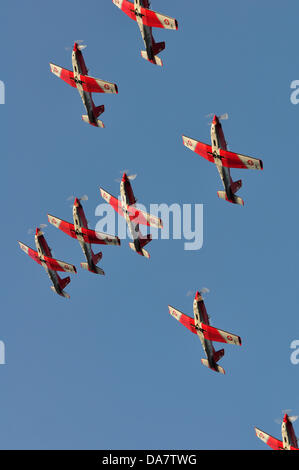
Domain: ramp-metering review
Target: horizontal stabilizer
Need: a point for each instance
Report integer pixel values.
(220, 369)
(142, 252)
(96, 269)
(63, 294)
(235, 200)
(156, 60)
(98, 122)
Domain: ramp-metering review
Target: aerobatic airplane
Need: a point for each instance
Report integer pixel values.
(289, 439)
(146, 20)
(43, 256)
(200, 326)
(224, 160)
(134, 216)
(85, 236)
(78, 78)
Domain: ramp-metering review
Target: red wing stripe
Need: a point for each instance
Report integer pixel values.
(30, 252)
(204, 150)
(237, 160)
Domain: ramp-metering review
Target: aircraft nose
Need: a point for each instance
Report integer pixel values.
(37, 231)
(197, 295)
(215, 119)
(124, 178)
(75, 47)
(76, 202)
(285, 418)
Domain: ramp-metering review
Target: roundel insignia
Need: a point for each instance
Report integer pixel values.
(166, 21)
(106, 86)
(250, 162)
(229, 338)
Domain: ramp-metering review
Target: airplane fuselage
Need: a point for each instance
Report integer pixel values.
(200, 316)
(288, 434)
(79, 68)
(125, 191)
(79, 222)
(44, 250)
(218, 142)
(146, 31)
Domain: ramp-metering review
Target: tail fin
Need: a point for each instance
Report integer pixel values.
(146, 240)
(235, 186)
(142, 252)
(64, 282)
(156, 59)
(235, 200)
(220, 369)
(98, 110)
(158, 47)
(96, 269)
(218, 355)
(97, 257)
(98, 123)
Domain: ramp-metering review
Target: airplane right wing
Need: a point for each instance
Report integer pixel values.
(187, 321)
(214, 334)
(149, 17)
(237, 160)
(272, 442)
(204, 150)
(140, 217)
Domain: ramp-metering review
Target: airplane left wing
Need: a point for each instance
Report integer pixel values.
(237, 160)
(66, 227)
(57, 265)
(272, 442)
(214, 334)
(141, 217)
(64, 74)
(30, 252)
(113, 201)
(187, 321)
(204, 150)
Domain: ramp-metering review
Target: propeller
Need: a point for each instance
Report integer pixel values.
(30, 231)
(79, 44)
(222, 117)
(292, 419)
(203, 290)
(130, 177)
(82, 198)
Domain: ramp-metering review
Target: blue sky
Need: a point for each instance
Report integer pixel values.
(110, 369)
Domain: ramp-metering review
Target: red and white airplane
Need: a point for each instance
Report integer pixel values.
(43, 256)
(289, 439)
(85, 236)
(146, 20)
(78, 78)
(126, 208)
(200, 326)
(224, 160)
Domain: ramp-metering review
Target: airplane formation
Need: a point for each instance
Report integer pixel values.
(125, 206)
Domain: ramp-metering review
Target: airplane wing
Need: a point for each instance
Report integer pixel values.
(30, 252)
(90, 84)
(89, 236)
(64, 74)
(99, 238)
(66, 227)
(141, 217)
(51, 263)
(272, 442)
(149, 17)
(187, 321)
(57, 265)
(237, 160)
(214, 334)
(204, 150)
(113, 201)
